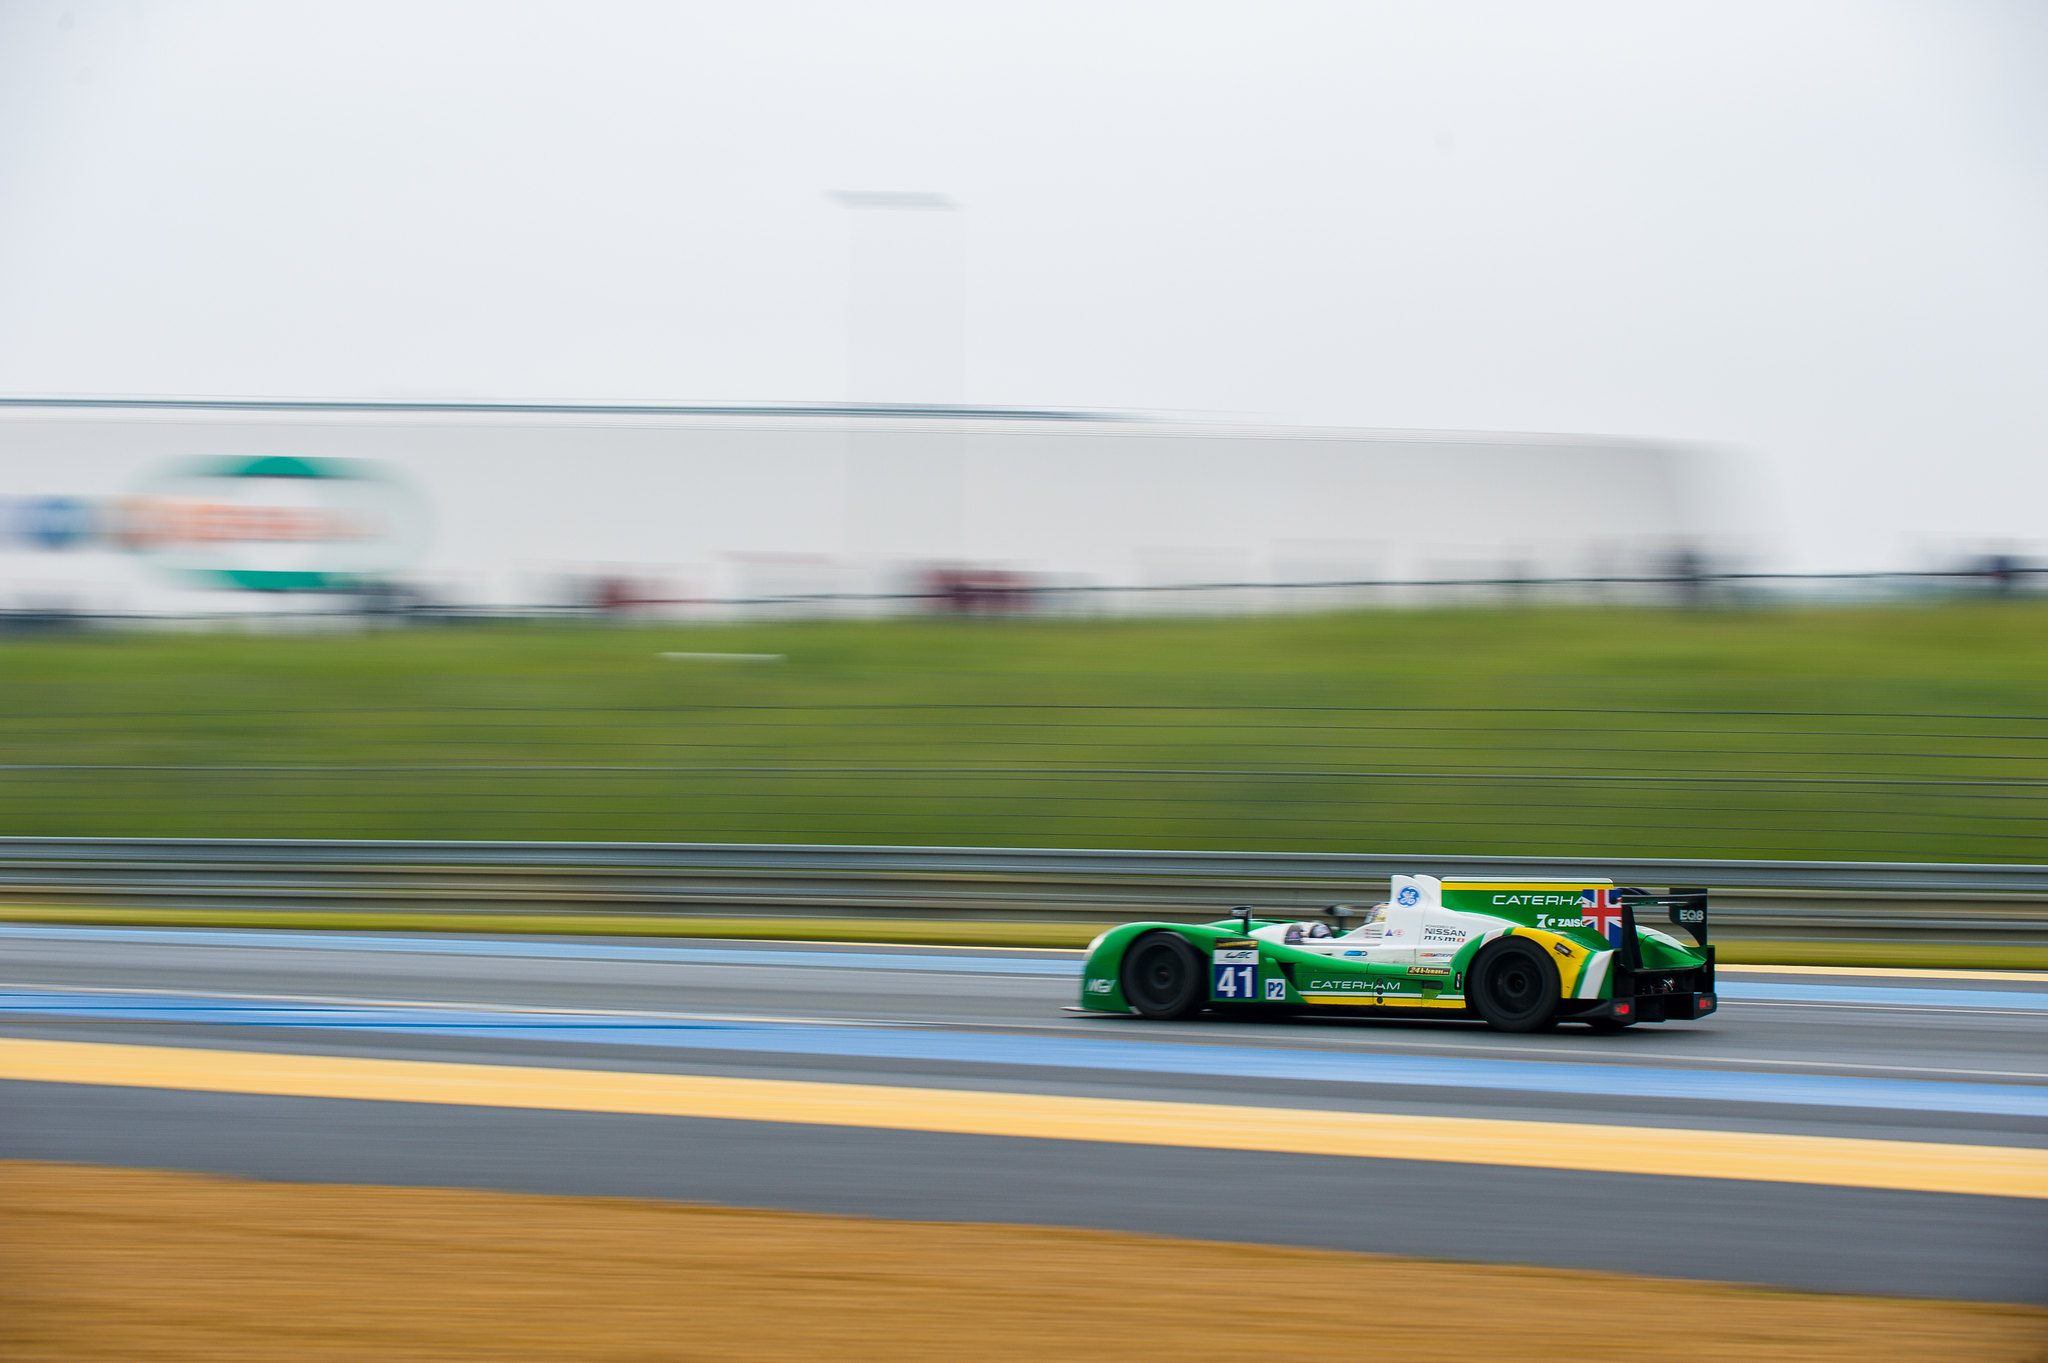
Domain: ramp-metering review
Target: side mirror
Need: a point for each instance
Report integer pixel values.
(1244, 918)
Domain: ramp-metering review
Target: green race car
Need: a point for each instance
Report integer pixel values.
(1522, 955)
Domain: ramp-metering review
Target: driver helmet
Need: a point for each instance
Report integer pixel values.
(1374, 921)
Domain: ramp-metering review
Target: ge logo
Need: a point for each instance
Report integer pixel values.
(1409, 896)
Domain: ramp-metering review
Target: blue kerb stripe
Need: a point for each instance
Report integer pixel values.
(1084, 1053)
(927, 963)
(1881, 994)
(542, 948)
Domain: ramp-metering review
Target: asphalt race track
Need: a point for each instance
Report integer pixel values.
(1864, 1132)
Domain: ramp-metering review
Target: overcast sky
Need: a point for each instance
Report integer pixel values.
(1812, 233)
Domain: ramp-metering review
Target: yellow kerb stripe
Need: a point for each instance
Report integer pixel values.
(1841, 1161)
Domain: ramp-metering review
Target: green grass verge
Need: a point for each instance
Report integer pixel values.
(1907, 732)
(1917, 955)
(924, 932)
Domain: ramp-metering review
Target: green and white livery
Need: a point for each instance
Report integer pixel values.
(1522, 955)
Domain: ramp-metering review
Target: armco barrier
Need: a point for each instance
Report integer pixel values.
(1898, 901)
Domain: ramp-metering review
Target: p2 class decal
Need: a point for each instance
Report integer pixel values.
(1276, 990)
(1234, 971)
(273, 523)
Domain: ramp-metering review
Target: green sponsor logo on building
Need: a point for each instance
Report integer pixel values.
(272, 523)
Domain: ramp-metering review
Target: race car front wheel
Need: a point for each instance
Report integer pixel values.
(1514, 986)
(1163, 977)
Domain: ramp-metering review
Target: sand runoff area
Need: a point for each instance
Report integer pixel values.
(131, 1264)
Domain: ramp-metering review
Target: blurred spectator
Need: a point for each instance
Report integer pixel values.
(384, 598)
(42, 615)
(2003, 574)
(979, 591)
(1690, 576)
(613, 595)
(617, 596)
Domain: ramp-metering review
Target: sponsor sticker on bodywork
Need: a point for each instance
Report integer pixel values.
(1376, 984)
(1234, 970)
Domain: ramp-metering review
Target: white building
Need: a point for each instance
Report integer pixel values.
(200, 506)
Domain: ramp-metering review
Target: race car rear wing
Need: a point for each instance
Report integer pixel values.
(1687, 905)
(1657, 995)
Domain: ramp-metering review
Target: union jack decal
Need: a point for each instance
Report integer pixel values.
(1602, 911)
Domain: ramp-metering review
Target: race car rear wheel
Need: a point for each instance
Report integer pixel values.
(1163, 977)
(1514, 986)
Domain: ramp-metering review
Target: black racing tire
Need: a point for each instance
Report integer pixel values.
(1163, 977)
(1514, 986)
